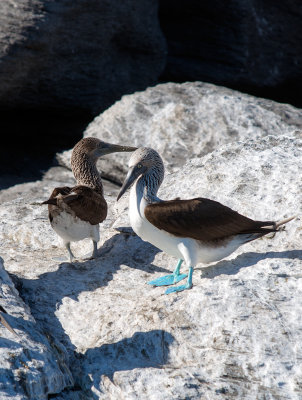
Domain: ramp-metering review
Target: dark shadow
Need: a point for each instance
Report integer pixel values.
(143, 350)
(69, 280)
(45, 294)
(12, 344)
(232, 267)
(33, 137)
(7, 377)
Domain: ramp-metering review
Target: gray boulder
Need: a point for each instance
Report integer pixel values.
(77, 54)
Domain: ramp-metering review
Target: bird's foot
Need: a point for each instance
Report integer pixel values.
(179, 288)
(167, 280)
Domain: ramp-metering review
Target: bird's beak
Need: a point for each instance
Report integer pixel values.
(131, 177)
(115, 148)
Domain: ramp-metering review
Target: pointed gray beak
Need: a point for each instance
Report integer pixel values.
(115, 148)
(131, 177)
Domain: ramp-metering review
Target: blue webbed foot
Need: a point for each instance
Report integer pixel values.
(167, 280)
(179, 288)
(171, 278)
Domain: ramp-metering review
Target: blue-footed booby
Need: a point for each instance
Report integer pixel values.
(4, 322)
(76, 212)
(195, 231)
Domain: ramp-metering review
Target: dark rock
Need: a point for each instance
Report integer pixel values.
(253, 46)
(79, 54)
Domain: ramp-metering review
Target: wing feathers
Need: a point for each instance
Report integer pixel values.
(82, 201)
(202, 219)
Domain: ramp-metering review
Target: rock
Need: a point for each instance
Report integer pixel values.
(252, 46)
(77, 55)
(236, 333)
(32, 364)
(184, 121)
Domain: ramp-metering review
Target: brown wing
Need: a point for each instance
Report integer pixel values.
(64, 190)
(202, 219)
(86, 203)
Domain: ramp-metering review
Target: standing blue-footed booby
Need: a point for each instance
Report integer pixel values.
(76, 212)
(196, 230)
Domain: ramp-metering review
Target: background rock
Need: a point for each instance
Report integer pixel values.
(235, 334)
(100, 50)
(63, 62)
(183, 121)
(80, 55)
(252, 46)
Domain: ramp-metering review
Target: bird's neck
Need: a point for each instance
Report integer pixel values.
(147, 187)
(86, 173)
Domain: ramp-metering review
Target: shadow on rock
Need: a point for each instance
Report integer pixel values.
(232, 267)
(143, 350)
(7, 377)
(45, 294)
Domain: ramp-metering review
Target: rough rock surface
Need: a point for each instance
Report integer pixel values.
(254, 46)
(32, 365)
(236, 333)
(184, 121)
(78, 54)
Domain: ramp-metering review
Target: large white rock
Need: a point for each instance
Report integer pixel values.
(32, 365)
(236, 333)
(184, 121)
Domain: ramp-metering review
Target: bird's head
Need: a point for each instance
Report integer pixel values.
(96, 148)
(143, 161)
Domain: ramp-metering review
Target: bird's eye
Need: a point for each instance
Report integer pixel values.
(139, 165)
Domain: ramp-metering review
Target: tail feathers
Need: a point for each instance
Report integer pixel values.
(265, 228)
(284, 221)
(272, 226)
(52, 201)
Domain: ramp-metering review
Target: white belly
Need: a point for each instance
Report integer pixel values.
(72, 229)
(190, 250)
(160, 239)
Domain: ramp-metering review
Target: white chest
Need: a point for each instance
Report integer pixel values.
(148, 232)
(72, 229)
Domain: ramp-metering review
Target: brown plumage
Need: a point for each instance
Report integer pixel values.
(76, 212)
(203, 219)
(81, 201)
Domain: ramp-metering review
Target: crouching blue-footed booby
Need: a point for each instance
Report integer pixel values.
(76, 212)
(196, 230)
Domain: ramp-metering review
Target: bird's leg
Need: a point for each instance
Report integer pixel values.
(71, 256)
(171, 278)
(188, 285)
(95, 249)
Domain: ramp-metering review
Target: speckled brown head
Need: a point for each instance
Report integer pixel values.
(85, 155)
